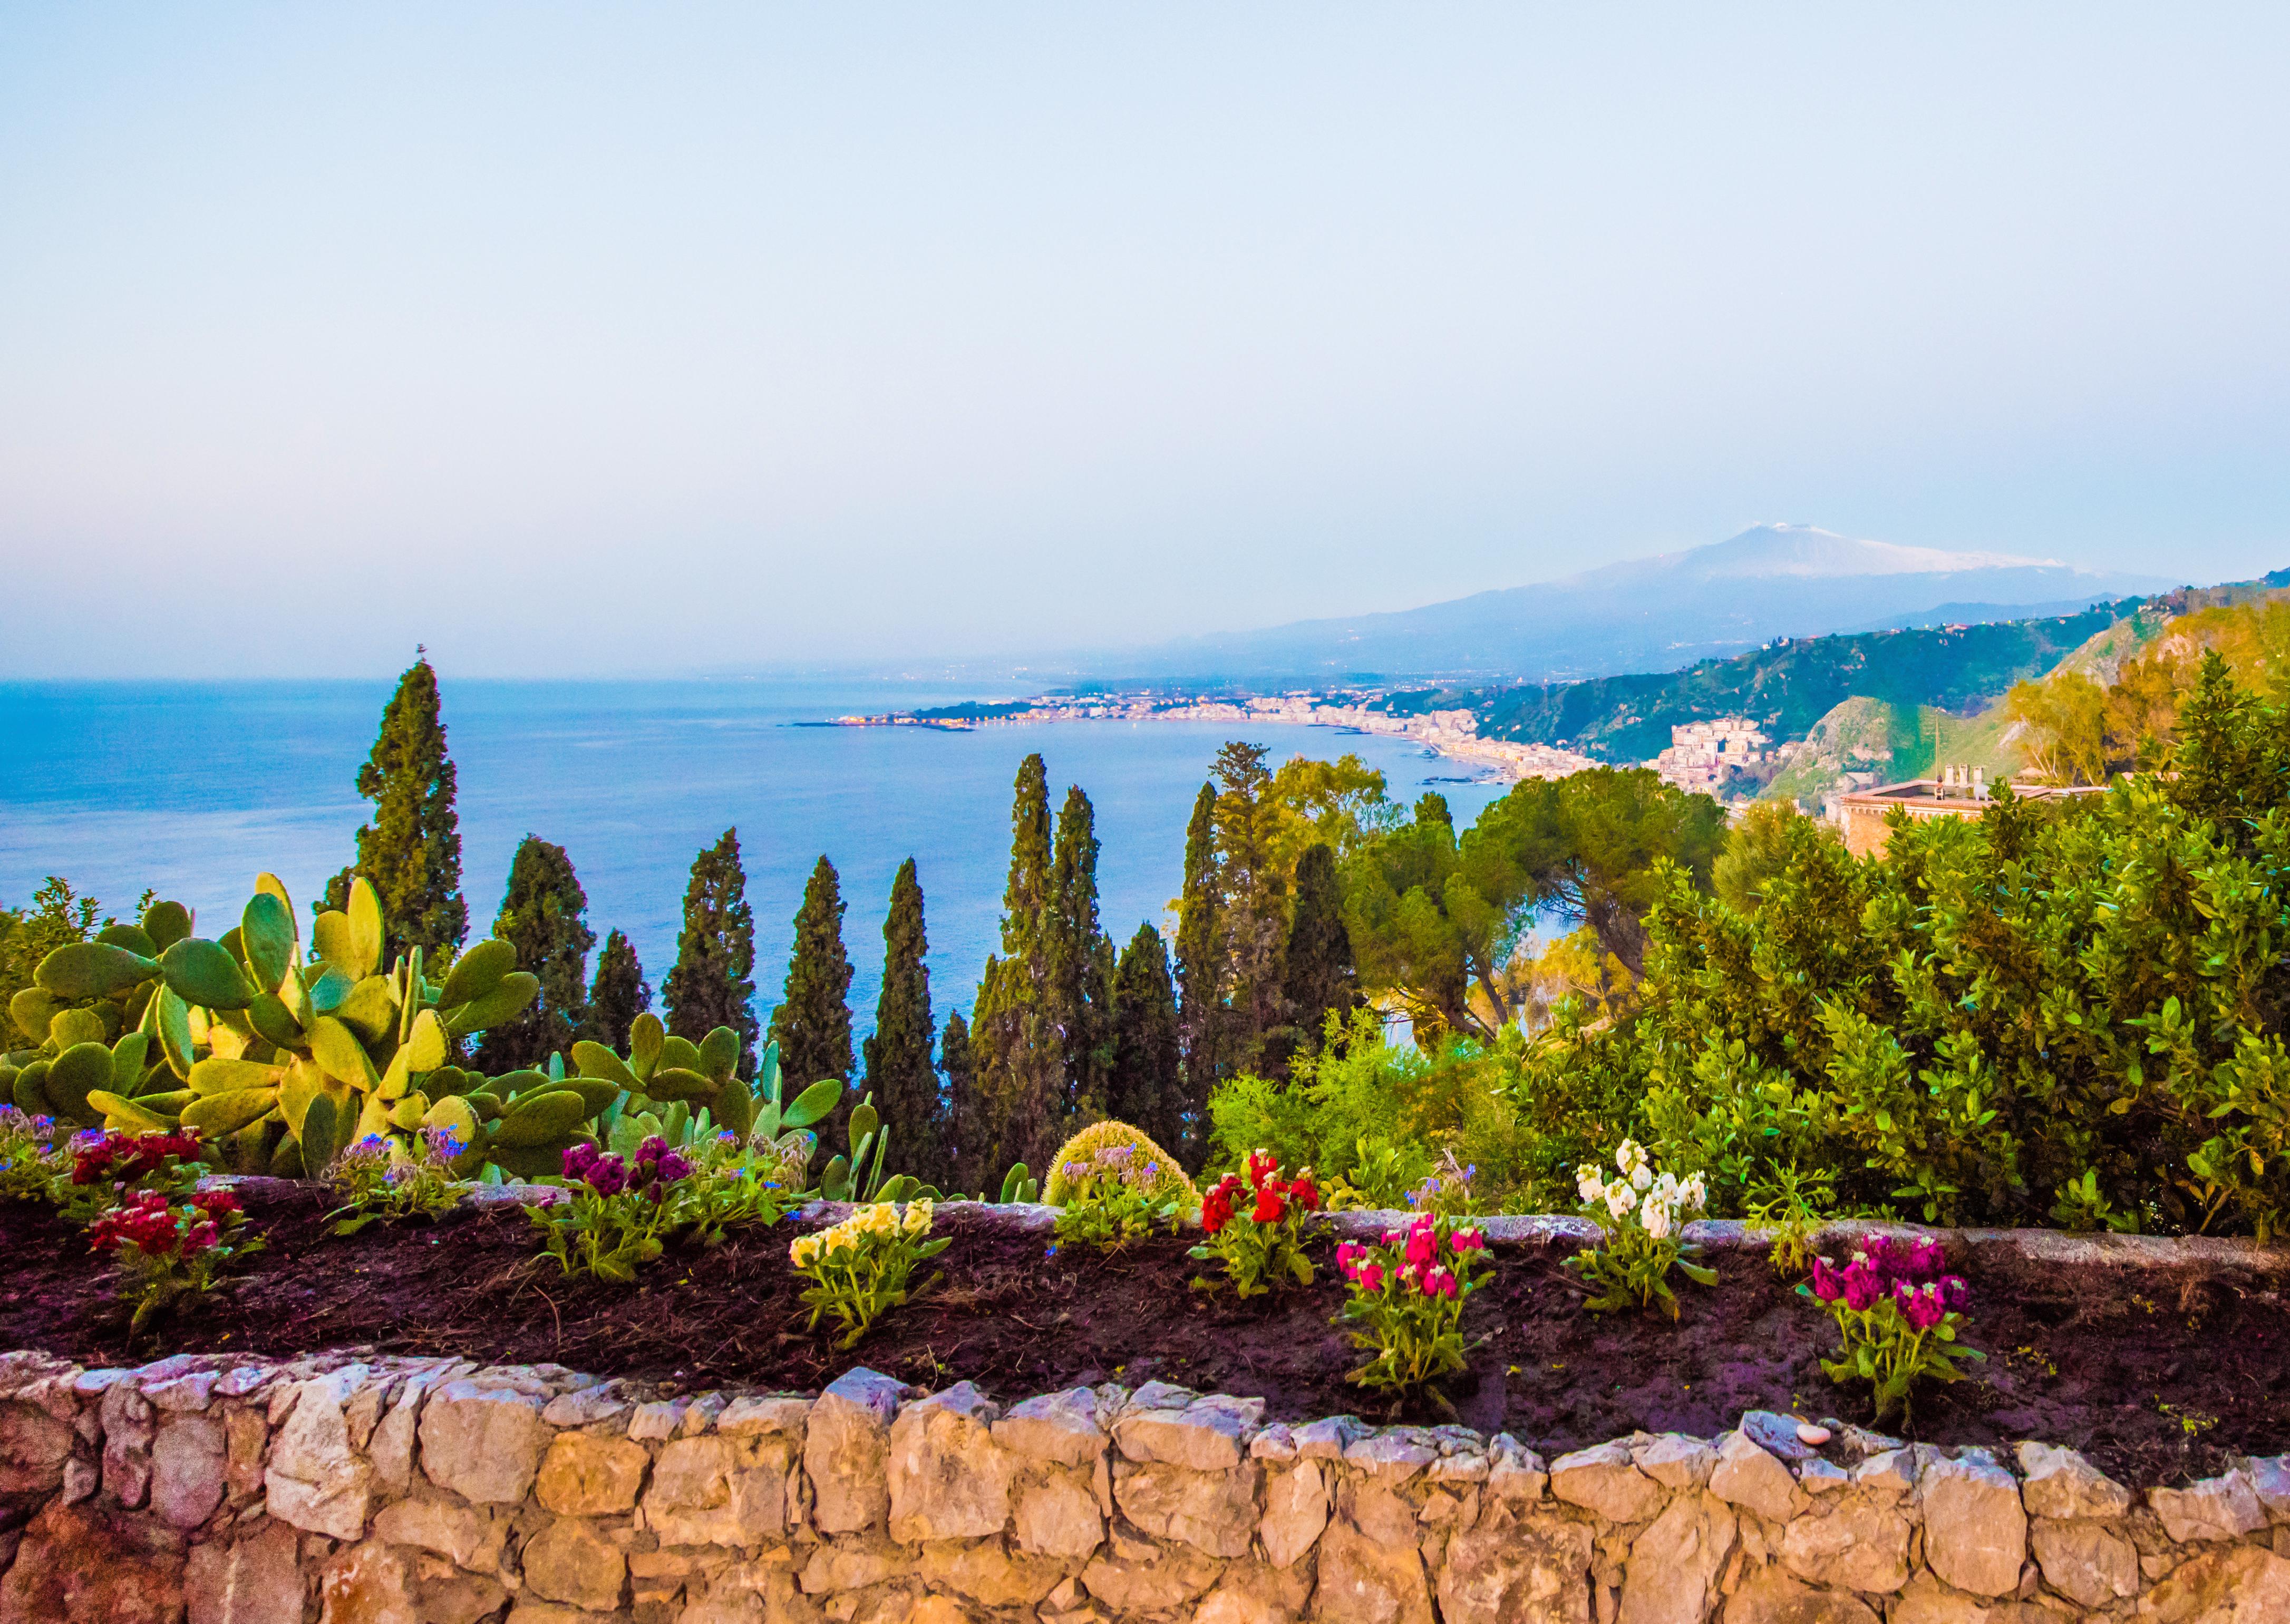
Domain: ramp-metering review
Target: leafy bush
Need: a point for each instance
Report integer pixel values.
(1897, 1314)
(30, 1159)
(1256, 1231)
(110, 1169)
(1641, 1213)
(617, 1210)
(1405, 1301)
(1111, 1185)
(1083, 1157)
(2073, 1013)
(859, 1267)
(170, 1248)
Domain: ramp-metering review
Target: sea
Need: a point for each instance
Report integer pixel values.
(191, 788)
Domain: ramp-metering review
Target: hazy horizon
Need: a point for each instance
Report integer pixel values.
(574, 341)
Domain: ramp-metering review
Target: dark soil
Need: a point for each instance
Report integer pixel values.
(2157, 1375)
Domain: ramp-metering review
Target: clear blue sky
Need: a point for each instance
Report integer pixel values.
(588, 339)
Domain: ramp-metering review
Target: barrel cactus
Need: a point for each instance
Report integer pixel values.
(1116, 1149)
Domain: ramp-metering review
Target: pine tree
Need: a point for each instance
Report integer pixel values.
(543, 914)
(1200, 978)
(1016, 1044)
(1145, 1088)
(1255, 902)
(410, 854)
(1319, 974)
(713, 983)
(898, 1072)
(812, 1023)
(965, 1110)
(1078, 969)
(620, 993)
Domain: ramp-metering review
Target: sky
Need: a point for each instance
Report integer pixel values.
(579, 341)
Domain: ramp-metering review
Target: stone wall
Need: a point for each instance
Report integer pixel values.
(424, 1492)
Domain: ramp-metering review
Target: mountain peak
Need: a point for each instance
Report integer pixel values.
(1765, 550)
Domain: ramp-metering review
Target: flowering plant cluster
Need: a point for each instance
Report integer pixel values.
(861, 1267)
(1406, 1305)
(170, 1248)
(729, 1184)
(1898, 1315)
(1641, 1212)
(379, 1179)
(1257, 1229)
(1113, 1197)
(107, 1166)
(30, 1164)
(1447, 1189)
(618, 1211)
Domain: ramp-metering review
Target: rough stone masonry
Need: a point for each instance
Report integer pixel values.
(353, 1490)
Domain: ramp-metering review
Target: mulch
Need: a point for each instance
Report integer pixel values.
(2159, 1375)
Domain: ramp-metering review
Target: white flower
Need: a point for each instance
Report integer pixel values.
(1666, 1186)
(1655, 1217)
(1630, 1157)
(1641, 1178)
(1588, 1184)
(1620, 1198)
(1693, 1194)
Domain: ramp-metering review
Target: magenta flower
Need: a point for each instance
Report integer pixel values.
(1371, 1277)
(1863, 1286)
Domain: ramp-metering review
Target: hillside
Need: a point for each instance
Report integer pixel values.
(1647, 614)
(1787, 688)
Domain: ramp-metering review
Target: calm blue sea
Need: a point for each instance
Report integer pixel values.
(192, 788)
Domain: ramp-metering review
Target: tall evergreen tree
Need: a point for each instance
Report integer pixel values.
(1254, 900)
(410, 854)
(1200, 977)
(618, 995)
(1319, 974)
(899, 1071)
(1078, 967)
(1015, 1041)
(543, 914)
(966, 1121)
(1145, 1087)
(713, 983)
(812, 1023)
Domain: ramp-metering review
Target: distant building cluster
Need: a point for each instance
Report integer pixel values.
(1959, 792)
(1707, 757)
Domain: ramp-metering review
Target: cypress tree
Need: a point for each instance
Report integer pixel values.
(410, 854)
(1016, 1044)
(965, 1110)
(812, 1023)
(543, 914)
(1078, 970)
(620, 993)
(1200, 983)
(1254, 903)
(897, 1054)
(1145, 1087)
(713, 983)
(1319, 972)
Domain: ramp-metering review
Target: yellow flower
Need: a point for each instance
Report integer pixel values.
(918, 1218)
(805, 1249)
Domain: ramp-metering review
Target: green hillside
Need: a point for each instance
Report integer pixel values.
(1787, 688)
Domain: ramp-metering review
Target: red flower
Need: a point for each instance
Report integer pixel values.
(1216, 1206)
(216, 1205)
(1262, 1165)
(1271, 1206)
(1305, 1192)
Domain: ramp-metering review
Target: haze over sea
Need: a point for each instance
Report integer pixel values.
(192, 788)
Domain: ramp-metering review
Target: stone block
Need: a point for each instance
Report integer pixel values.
(1515, 1472)
(2222, 1507)
(587, 1406)
(34, 1446)
(1771, 1596)
(846, 1451)
(1209, 1434)
(466, 1536)
(584, 1475)
(1212, 1511)
(718, 1491)
(1393, 1454)
(949, 1479)
(987, 1574)
(2060, 1482)
(2232, 1584)
(1363, 1580)
(1677, 1462)
(1058, 1515)
(254, 1581)
(1296, 1512)
(1748, 1475)
(569, 1562)
(186, 1469)
(2086, 1562)
(1060, 1427)
(773, 1415)
(1149, 1579)
(102, 1565)
(315, 1480)
(1250, 1593)
(1605, 1481)
(1860, 1540)
(1976, 1529)
(483, 1444)
(854, 1562)
(1535, 1570)
(1674, 1566)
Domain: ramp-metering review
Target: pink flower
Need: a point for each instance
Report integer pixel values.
(1422, 1242)
(1469, 1240)
(1439, 1282)
(1371, 1277)
(1825, 1282)
(1862, 1287)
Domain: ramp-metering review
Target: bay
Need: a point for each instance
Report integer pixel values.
(192, 788)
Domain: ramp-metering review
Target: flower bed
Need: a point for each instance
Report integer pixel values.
(2161, 1361)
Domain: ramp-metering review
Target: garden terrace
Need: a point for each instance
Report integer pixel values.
(2162, 1360)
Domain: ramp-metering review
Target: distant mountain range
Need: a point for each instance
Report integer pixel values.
(1650, 614)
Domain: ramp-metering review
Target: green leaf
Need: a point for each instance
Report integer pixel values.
(477, 973)
(205, 974)
(91, 969)
(812, 1104)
